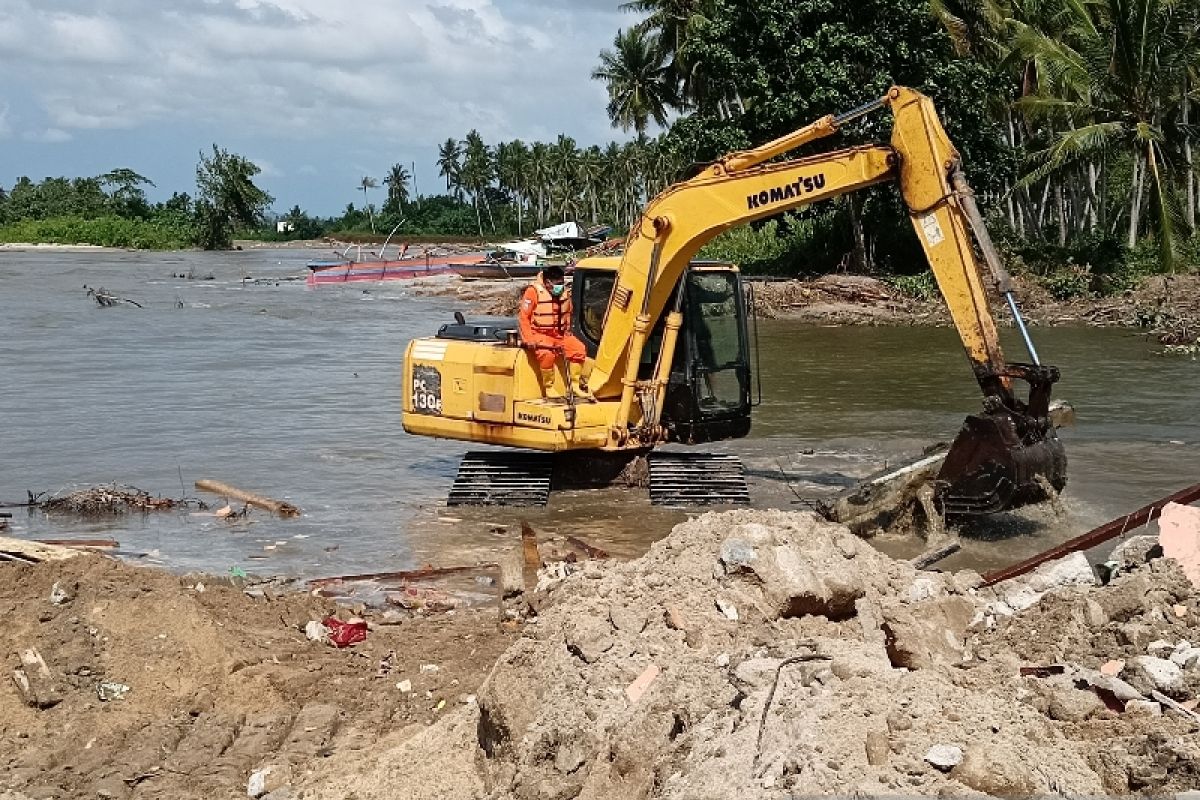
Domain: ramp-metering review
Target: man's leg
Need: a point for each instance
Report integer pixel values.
(546, 358)
(576, 355)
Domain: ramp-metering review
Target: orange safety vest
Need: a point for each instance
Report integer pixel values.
(550, 316)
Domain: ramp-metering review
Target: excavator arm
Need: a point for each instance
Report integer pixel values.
(1000, 454)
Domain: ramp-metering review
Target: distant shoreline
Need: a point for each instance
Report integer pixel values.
(31, 247)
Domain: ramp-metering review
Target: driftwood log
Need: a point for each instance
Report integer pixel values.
(250, 498)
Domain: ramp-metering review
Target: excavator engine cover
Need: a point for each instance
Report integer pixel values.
(1008, 456)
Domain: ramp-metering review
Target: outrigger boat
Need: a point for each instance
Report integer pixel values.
(519, 259)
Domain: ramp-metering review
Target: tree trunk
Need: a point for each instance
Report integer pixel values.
(1061, 210)
(860, 247)
(1187, 159)
(1135, 201)
(1093, 196)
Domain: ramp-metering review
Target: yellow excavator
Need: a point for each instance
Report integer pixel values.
(669, 351)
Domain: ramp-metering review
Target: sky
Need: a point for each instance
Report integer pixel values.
(317, 93)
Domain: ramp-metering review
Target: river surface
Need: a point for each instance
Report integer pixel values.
(255, 380)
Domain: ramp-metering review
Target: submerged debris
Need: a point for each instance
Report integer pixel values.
(104, 298)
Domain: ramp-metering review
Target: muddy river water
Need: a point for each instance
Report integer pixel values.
(253, 379)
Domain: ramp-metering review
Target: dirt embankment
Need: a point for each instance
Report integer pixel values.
(757, 654)
(219, 682)
(1161, 304)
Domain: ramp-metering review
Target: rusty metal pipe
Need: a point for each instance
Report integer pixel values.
(1109, 530)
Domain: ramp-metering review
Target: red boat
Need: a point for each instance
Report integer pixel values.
(364, 267)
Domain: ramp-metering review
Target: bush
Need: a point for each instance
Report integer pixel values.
(107, 231)
(754, 249)
(922, 286)
(1068, 283)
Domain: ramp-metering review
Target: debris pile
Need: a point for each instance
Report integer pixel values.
(107, 500)
(849, 298)
(770, 654)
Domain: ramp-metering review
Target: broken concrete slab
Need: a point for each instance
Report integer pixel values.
(1179, 535)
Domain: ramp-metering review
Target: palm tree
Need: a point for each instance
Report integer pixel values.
(397, 182)
(477, 173)
(539, 176)
(450, 165)
(511, 166)
(1115, 85)
(369, 183)
(640, 83)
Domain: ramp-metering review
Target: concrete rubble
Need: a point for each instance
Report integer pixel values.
(842, 671)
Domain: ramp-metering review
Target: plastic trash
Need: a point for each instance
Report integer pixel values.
(344, 634)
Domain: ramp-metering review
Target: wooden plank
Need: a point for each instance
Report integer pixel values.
(33, 552)
(94, 543)
(1109, 530)
(533, 559)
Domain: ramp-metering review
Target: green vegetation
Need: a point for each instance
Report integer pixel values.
(111, 210)
(1074, 118)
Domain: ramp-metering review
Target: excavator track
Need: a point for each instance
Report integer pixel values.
(689, 479)
(502, 478)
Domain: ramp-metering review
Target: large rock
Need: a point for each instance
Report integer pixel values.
(821, 571)
(1021, 593)
(994, 774)
(926, 634)
(1148, 672)
(38, 686)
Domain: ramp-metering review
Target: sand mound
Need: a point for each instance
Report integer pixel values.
(771, 654)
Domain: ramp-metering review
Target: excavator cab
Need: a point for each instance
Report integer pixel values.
(708, 395)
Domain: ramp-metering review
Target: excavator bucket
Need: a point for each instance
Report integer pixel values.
(1008, 456)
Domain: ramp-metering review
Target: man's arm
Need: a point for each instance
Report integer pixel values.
(525, 316)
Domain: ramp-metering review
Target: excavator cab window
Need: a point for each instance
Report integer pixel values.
(708, 398)
(590, 295)
(716, 340)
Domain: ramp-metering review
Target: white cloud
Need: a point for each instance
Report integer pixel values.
(5, 125)
(304, 81)
(445, 64)
(47, 136)
(266, 168)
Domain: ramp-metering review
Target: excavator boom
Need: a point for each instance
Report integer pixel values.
(1006, 456)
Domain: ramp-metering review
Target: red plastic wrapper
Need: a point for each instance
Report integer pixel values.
(344, 634)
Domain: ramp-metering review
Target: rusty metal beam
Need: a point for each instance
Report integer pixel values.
(1109, 530)
(403, 575)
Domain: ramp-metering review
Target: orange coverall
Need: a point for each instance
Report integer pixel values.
(545, 324)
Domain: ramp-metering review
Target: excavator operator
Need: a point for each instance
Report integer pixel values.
(545, 321)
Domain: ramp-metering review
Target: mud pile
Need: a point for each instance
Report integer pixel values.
(772, 654)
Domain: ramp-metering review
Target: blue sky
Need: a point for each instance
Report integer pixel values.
(318, 93)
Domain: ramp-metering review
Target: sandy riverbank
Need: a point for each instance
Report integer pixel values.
(26, 247)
